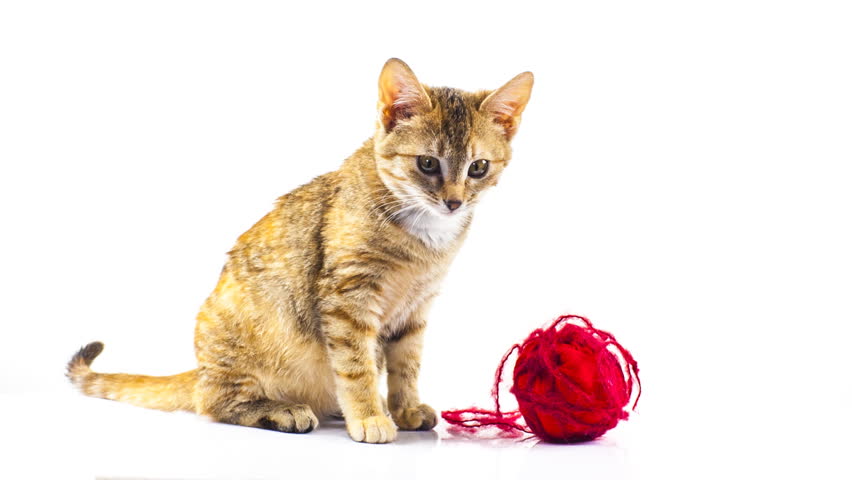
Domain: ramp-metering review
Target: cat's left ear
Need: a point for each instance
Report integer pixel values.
(506, 104)
(400, 94)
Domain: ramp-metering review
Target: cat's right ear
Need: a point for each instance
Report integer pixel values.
(400, 94)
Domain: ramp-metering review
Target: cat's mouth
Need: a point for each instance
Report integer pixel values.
(447, 211)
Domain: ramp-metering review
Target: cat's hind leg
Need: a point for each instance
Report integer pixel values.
(236, 399)
(273, 415)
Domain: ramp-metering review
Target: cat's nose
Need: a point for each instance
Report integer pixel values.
(453, 204)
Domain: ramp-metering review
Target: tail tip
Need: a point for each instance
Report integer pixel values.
(84, 356)
(88, 353)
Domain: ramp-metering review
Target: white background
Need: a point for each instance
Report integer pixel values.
(681, 177)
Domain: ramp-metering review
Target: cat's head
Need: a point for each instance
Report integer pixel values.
(438, 149)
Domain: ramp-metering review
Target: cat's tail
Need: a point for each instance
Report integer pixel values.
(162, 393)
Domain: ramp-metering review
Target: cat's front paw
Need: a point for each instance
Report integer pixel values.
(421, 417)
(377, 429)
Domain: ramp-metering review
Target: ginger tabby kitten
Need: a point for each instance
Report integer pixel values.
(334, 284)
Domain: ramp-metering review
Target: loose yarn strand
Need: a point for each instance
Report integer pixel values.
(474, 418)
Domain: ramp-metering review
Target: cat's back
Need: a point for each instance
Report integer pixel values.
(274, 265)
(292, 230)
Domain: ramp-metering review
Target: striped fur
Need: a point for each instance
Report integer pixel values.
(333, 286)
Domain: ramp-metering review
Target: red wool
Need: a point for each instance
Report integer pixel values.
(572, 382)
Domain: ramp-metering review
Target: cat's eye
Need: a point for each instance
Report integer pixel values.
(428, 165)
(478, 169)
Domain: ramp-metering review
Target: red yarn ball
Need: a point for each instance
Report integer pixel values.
(572, 382)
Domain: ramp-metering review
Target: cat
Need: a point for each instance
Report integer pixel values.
(333, 286)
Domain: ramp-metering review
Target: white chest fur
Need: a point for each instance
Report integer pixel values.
(436, 230)
(405, 292)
